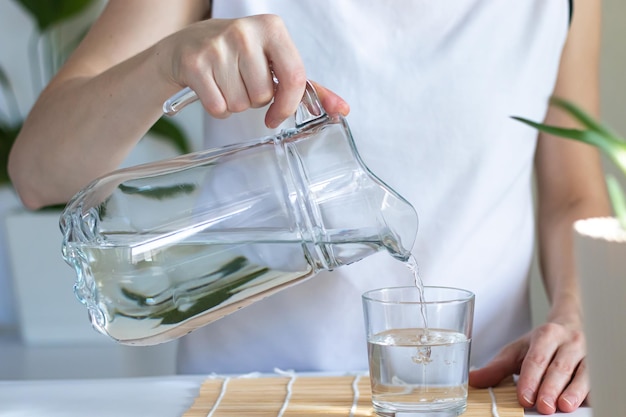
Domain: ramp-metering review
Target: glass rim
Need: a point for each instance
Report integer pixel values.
(468, 295)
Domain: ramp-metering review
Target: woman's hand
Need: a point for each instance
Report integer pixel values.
(550, 361)
(230, 65)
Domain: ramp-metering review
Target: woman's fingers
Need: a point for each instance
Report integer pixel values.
(232, 65)
(288, 68)
(551, 373)
(577, 390)
(331, 102)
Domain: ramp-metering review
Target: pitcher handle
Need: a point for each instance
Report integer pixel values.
(309, 110)
(175, 103)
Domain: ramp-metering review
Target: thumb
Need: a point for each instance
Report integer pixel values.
(505, 364)
(331, 102)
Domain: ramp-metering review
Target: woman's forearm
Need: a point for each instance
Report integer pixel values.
(83, 127)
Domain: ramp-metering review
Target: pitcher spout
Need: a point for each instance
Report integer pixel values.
(401, 222)
(340, 206)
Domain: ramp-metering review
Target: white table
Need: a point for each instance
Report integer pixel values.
(168, 396)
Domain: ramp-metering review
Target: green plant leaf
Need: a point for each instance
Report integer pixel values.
(209, 301)
(612, 146)
(9, 97)
(8, 134)
(212, 294)
(47, 13)
(581, 116)
(576, 134)
(158, 193)
(4, 79)
(618, 199)
(167, 130)
(228, 269)
(595, 134)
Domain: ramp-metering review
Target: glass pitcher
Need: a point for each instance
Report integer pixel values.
(163, 248)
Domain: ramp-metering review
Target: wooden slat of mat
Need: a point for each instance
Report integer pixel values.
(243, 397)
(479, 402)
(314, 396)
(332, 396)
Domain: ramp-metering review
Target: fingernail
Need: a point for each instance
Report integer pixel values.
(570, 400)
(549, 402)
(529, 396)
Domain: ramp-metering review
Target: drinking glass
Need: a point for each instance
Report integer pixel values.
(418, 342)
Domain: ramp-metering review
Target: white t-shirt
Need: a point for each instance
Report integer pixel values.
(432, 86)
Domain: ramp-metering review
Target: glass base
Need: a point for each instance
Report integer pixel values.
(421, 412)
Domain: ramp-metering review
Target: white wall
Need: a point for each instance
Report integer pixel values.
(613, 85)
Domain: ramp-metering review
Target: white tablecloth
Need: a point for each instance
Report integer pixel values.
(167, 396)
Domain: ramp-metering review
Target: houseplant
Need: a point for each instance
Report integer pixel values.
(600, 254)
(41, 281)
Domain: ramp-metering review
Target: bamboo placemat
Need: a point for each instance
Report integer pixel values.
(308, 396)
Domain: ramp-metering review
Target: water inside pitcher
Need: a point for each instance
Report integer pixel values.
(161, 249)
